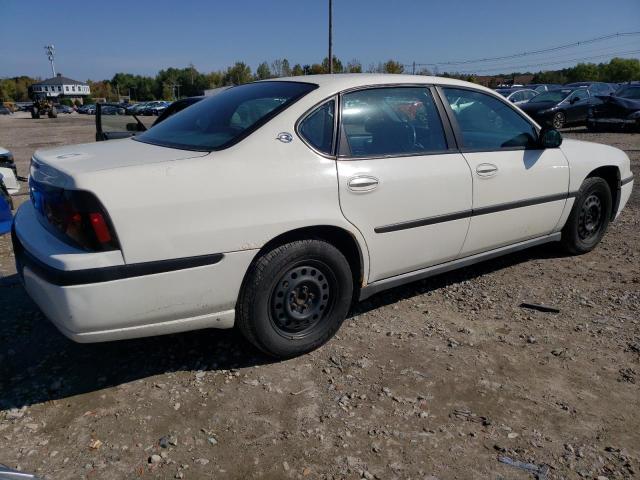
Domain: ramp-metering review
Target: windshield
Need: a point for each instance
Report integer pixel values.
(629, 92)
(224, 119)
(555, 96)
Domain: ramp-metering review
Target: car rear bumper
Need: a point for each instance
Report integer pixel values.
(106, 303)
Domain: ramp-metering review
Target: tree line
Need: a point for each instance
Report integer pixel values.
(173, 83)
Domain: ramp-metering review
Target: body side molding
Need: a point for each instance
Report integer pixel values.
(474, 212)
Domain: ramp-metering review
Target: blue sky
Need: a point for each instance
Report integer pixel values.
(97, 39)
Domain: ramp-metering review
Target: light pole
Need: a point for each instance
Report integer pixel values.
(330, 36)
(50, 49)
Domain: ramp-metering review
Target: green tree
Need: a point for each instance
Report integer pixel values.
(337, 65)
(391, 66)
(7, 90)
(550, 76)
(583, 72)
(297, 70)
(286, 68)
(263, 72)
(621, 70)
(354, 66)
(238, 74)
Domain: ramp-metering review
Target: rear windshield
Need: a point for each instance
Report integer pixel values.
(552, 96)
(224, 119)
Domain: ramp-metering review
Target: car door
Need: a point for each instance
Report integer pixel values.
(402, 182)
(578, 106)
(519, 189)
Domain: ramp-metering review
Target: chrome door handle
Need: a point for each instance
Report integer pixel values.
(486, 170)
(362, 183)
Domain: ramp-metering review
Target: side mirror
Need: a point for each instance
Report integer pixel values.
(550, 138)
(573, 100)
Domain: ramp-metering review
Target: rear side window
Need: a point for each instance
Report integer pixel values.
(390, 122)
(317, 127)
(226, 118)
(487, 123)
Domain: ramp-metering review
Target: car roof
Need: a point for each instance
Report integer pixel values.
(344, 81)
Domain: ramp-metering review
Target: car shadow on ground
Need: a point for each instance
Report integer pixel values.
(38, 364)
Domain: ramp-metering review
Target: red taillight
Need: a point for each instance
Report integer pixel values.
(100, 227)
(76, 214)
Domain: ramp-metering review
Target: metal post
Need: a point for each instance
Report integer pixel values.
(413, 68)
(330, 36)
(50, 55)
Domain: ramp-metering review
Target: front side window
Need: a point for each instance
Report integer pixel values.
(517, 97)
(487, 123)
(220, 121)
(390, 121)
(580, 94)
(529, 94)
(317, 128)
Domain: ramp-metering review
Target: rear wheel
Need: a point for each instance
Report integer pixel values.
(295, 298)
(558, 120)
(35, 113)
(53, 113)
(589, 217)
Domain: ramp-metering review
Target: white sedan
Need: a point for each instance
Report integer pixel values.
(274, 205)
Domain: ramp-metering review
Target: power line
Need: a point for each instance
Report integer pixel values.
(534, 52)
(567, 56)
(516, 67)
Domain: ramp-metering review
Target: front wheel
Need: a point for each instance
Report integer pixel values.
(558, 120)
(589, 217)
(295, 298)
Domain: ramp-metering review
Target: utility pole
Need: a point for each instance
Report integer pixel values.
(413, 68)
(330, 36)
(50, 49)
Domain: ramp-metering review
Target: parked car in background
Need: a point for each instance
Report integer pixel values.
(517, 95)
(595, 88)
(620, 110)
(560, 108)
(7, 161)
(543, 87)
(107, 132)
(5, 111)
(8, 186)
(86, 108)
(155, 108)
(112, 110)
(63, 108)
(281, 222)
(6, 207)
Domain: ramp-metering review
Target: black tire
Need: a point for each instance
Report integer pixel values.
(53, 113)
(35, 113)
(295, 298)
(589, 217)
(558, 120)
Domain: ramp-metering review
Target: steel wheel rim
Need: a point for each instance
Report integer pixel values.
(591, 218)
(302, 298)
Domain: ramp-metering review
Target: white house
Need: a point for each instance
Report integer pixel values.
(61, 86)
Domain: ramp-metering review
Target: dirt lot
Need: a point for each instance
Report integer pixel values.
(434, 380)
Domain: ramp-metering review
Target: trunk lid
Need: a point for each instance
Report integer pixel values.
(58, 166)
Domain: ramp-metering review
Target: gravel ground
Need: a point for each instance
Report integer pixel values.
(440, 379)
